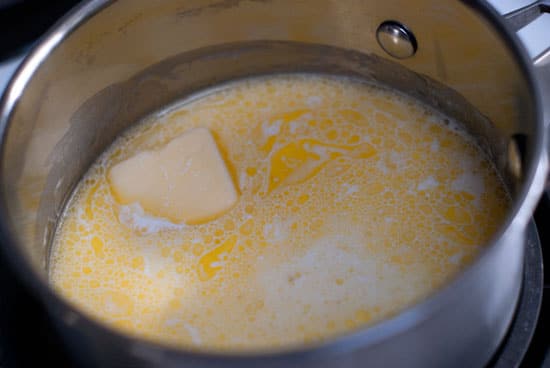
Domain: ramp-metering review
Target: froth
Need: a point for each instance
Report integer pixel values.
(135, 218)
(346, 216)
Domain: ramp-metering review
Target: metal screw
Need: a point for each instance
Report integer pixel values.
(396, 39)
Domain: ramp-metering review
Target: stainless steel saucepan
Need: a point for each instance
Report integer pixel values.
(109, 63)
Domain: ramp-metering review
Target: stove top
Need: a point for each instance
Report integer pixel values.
(28, 339)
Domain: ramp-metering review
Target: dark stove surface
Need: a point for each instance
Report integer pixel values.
(23, 21)
(27, 338)
(524, 343)
(538, 354)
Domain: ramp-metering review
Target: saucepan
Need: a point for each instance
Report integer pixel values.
(109, 63)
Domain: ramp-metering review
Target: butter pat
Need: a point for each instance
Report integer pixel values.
(185, 181)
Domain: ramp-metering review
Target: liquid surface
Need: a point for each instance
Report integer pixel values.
(354, 202)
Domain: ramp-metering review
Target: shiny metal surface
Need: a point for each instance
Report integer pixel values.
(396, 40)
(111, 62)
(531, 23)
(520, 334)
(520, 16)
(523, 20)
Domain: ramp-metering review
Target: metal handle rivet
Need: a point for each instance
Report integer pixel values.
(396, 39)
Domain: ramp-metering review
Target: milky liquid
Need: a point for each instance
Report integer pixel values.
(354, 203)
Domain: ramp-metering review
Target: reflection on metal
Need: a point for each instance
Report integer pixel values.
(396, 40)
(514, 157)
(514, 348)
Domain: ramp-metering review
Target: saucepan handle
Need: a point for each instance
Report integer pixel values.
(532, 25)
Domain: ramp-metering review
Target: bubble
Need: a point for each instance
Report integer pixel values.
(321, 241)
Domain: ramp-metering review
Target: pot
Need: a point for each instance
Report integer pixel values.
(109, 63)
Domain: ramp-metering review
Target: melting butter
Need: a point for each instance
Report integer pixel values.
(185, 181)
(354, 203)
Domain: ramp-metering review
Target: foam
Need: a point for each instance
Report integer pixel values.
(429, 183)
(135, 218)
(345, 217)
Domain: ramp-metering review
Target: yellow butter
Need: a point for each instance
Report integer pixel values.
(185, 181)
(354, 203)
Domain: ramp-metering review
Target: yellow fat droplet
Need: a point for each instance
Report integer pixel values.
(97, 245)
(352, 115)
(457, 215)
(117, 304)
(290, 116)
(138, 263)
(212, 262)
(88, 208)
(304, 158)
